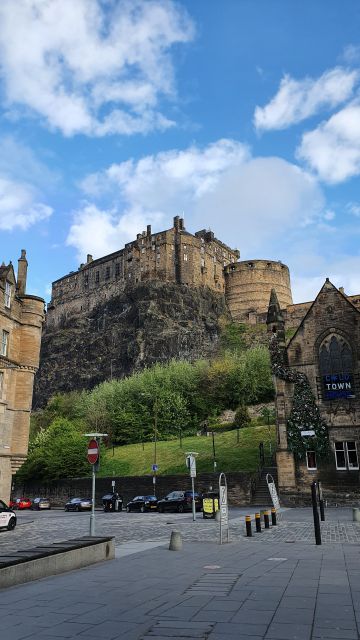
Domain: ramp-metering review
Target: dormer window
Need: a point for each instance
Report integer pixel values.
(7, 295)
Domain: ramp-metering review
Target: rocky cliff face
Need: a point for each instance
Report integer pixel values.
(153, 322)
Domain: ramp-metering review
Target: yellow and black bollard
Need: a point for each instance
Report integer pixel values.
(266, 520)
(248, 526)
(273, 516)
(258, 522)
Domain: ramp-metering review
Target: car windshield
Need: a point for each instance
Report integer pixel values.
(150, 498)
(3, 505)
(75, 499)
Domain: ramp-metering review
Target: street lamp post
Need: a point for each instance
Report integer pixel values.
(214, 452)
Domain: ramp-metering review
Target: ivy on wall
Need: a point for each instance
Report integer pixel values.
(305, 414)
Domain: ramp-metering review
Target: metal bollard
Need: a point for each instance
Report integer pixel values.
(266, 520)
(248, 526)
(258, 522)
(315, 514)
(273, 517)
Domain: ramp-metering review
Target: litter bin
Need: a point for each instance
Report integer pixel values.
(112, 502)
(210, 504)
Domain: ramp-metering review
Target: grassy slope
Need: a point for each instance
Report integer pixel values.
(133, 460)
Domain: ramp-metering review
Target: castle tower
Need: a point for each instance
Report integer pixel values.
(248, 286)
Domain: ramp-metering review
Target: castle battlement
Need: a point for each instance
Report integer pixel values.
(173, 255)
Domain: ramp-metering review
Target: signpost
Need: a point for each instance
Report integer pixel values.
(272, 491)
(224, 513)
(191, 465)
(93, 458)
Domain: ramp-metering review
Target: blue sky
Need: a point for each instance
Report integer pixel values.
(241, 115)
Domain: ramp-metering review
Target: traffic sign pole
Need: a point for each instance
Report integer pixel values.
(92, 515)
(93, 459)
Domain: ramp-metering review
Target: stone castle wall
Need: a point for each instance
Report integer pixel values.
(248, 286)
(173, 256)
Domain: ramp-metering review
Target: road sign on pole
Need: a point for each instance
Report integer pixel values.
(93, 458)
(191, 465)
(224, 513)
(93, 451)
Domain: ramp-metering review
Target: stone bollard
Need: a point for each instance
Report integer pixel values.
(356, 514)
(175, 541)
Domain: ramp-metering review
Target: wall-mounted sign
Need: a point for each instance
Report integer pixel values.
(338, 385)
(308, 433)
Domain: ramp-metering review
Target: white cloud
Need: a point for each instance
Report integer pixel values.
(345, 274)
(247, 201)
(91, 67)
(333, 148)
(299, 99)
(353, 208)
(19, 206)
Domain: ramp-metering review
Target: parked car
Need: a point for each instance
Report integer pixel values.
(179, 501)
(7, 517)
(41, 503)
(20, 503)
(112, 502)
(78, 504)
(142, 503)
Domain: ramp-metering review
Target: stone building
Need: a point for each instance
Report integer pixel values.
(173, 255)
(318, 395)
(21, 318)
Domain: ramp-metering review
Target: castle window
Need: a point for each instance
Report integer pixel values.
(107, 273)
(7, 294)
(4, 343)
(251, 265)
(346, 457)
(86, 279)
(117, 269)
(153, 247)
(1, 383)
(129, 275)
(185, 257)
(97, 277)
(143, 250)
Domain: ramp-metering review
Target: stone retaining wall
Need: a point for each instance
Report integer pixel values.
(240, 487)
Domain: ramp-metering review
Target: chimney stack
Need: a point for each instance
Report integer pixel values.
(148, 230)
(177, 223)
(89, 258)
(22, 273)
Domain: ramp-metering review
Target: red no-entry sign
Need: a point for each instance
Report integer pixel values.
(93, 452)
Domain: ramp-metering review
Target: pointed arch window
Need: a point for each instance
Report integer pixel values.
(336, 368)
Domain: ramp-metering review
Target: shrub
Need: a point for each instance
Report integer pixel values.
(242, 418)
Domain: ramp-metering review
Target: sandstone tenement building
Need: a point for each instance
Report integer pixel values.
(21, 318)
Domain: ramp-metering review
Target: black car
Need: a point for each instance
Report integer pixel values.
(79, 504)
(179, 501)
(112, 502)
(142, 503)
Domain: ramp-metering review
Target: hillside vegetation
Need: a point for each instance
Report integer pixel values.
(166, 399)
(235, 451)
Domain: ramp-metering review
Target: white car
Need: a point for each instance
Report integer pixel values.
(7, 517)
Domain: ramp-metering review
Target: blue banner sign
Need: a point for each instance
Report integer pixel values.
(338, 385)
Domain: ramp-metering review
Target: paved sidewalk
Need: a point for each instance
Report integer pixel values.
(241, 590)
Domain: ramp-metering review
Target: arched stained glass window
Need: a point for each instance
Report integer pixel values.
(336, 368)
(335, 356)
